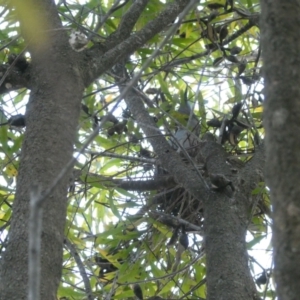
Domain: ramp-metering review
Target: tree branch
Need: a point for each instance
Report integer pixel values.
(211, 48)
(251, 175)
(54, 104)
(125, 157)
(129, 185)
(80, 265)
(174, 221)
(170, 159)
(95, 68)
(126, 25)
(225, 223)
(280, 51)
(149, 185)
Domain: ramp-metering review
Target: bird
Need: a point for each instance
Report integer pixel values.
(193, 122)
(187, 136)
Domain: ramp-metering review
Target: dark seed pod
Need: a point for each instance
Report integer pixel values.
(233, 139)
(85, 109)
(182, 35)
(256, 138)
(236, 110)
(184, 240)
(111, 118)
(247, 80)
(242, 67)
(232, 59)
(236, 130)
(111, 131)
(138, 291)
(214, 123)
(242, 124)
(120, 127)
(215, 6)
(145, 153)
(217, 61)
(174, 237)
(133, 139)
(235, 50)
(223, 33)
(152, 91)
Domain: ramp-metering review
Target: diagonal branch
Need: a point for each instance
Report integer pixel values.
(170, 159)
(126, 25)
(133, 185)
(103, 19)
(211, 48)
(74, 253)
(95, 68)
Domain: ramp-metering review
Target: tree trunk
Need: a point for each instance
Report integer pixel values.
(226, 219)
(281, 47)
(51, 124)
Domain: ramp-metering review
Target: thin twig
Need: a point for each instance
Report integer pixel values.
(103, 19)
(113, 287)
(125, 157)
(80, 265)
(147, 63)
(168, 275)
(179, 221)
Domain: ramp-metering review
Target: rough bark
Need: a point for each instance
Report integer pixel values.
(51, 118)
(281, 46)
(226, 221)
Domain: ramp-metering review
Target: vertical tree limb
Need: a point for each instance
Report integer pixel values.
(53, 108)
(280, 51)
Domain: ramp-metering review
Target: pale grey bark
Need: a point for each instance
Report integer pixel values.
(281, 47)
